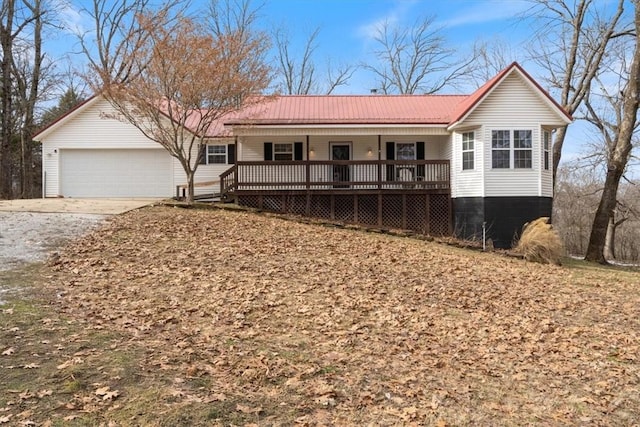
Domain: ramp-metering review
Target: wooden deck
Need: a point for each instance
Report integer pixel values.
(325, 175)
(413, 195)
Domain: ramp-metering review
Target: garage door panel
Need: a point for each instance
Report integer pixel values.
(115, 173)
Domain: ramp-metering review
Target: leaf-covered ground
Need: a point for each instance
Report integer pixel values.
(187, 317)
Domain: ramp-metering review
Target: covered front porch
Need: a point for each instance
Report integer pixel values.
(403, 194)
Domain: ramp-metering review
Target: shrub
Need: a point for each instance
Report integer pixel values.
(539, 242)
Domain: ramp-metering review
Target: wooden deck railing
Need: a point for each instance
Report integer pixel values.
(336, 174)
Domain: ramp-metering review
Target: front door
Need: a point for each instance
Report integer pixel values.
(341, 151)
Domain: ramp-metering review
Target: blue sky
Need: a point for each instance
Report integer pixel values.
(347, 28)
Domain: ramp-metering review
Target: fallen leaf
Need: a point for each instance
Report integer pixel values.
(43, 393)
(247, 409)
(110, 395)
(31, 366)
(102, 390)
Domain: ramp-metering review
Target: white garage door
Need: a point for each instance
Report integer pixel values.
(115, 173)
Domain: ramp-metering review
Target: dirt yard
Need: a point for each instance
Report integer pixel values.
(185, 317)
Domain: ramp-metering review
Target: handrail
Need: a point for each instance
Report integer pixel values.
(228, 181)
(334, 174)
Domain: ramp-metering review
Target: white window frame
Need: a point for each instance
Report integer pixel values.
(546, 150)
(523, 150)
(468, 147)
(501, 148)
(209, 155)
(283, 149)
(511, 147)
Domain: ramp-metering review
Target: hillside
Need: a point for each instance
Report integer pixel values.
(186, 317)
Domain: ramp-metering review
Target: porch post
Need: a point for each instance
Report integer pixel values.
(379, 163)
(307, 208)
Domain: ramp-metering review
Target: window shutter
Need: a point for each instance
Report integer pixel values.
(391, 150)
(420, 156)
(391, 155)
(297, 151)
(231, 154)
(268, 150)
(202, 154)
(420, 150)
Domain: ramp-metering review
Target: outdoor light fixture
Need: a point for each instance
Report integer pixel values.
(369, 151)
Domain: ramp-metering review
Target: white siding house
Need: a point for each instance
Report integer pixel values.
(88, 154)
(474, 161)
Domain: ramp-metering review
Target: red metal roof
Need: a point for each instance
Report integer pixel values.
(351, 109)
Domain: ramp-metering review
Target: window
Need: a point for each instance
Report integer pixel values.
(283, 151)
(546, 147)
(216, 154)
(405, 151)
(500, 149)
(503, 153)
(468, 155)
(522, 154)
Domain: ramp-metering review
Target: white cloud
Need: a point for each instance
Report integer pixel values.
(392, 17)
(70, 16)
(481, 12)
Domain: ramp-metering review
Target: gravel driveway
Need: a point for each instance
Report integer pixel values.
(31, 229)
(27, 237)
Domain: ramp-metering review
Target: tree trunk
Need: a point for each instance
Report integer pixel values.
(6, 133)
(597, 239)
(557, 151)
(190, 187)
(619, 155)
(34, 93)
(610, 241)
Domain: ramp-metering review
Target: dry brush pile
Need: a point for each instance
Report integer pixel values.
(268, 321)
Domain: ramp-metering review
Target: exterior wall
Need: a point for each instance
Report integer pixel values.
(363, 147)
(89, 129)
(504, 217)
(467, 183)
(436, 147)
(513, 105)
(204, 173)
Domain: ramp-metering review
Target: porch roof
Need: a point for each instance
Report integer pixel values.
(351, 110)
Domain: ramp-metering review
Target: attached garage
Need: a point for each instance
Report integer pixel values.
(115, 173)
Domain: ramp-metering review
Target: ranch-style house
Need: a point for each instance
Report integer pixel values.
(435, 164)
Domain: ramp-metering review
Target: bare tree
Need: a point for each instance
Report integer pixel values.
(617, 130)
(491, 56)
(176, 102)
(116, 32)
(571, 43)
(299, 74)
(28, 68)
(577, 193)
(21, 23)
(7, 35)
(415, 59)
(625, 210)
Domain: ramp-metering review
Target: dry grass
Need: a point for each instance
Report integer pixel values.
(240, 319)
(540, 242)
